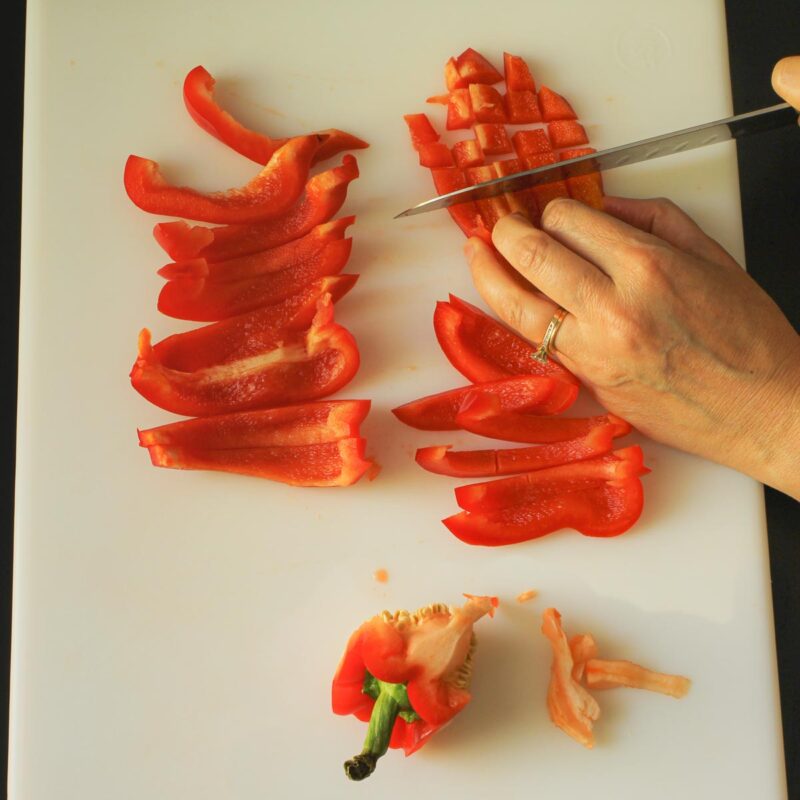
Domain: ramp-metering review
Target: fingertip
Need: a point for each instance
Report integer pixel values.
(509, 225)
(786, 79)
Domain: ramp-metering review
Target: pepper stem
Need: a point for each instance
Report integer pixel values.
(379, 732)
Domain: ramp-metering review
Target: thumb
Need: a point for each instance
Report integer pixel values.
(786, 80)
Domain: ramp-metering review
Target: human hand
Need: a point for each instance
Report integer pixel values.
(664, 328)
(786, 80)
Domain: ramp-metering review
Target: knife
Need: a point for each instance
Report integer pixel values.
(764, 119)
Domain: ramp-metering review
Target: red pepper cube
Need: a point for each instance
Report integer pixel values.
(474, 68)
(465, 215)
(518, 75)
(421, 130)
(451, 77)
(566, 133)
(554, 106)
(487, 103)
(435, 154)
(522, 107)
(586, 188)
(529, 143)
(549, 191)
(491, 208)
(493, 138)
(459, 110)
(514, 199)
(467, 153)
(522, 201)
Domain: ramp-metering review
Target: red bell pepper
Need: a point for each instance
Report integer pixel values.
(443, 460)
(554, 106)
(566, 133)
(207, 300)
(471, 67)
(467, 153)
(421, 130)
(493, 138)
(517, 74)
(248, 334)
(586, 188)
(465, 215)
(198, 94)
(435, 155)
(459, 110)
(487, 103)
(407, 675)
(324, 195)
(522, 107)
(491, 208)
(297, 367)
(522, 201)
(272, 192)
(482, 349)
(531, 143)
(440, 412)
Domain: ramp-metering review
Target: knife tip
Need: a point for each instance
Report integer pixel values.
(402, 214)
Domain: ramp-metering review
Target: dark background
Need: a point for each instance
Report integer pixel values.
(759, 33)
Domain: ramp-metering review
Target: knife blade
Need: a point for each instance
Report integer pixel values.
(763, 119)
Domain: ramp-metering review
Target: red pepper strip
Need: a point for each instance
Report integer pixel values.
(521, 202)
(273, 260)
(491, 208)
(531, 143)
(442, 460)
(439, 412)
(271, 193)
(304, 366)
(482, 349)
(249, 334)
(517, 74)
(554, 106)
(198, 94)
(606, 508)
(339, 463)
(421, 130)
(459, 110)
(206, 300)
(522, 107)
(465, 215)
(288, 426)
(435, 155)
(567, 133)
(493, 138)
(323, 197)
(586, 188)
(467, 153)
(472, 67)
(487, 103)
(534, 486)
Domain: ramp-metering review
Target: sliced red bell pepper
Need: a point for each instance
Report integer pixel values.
(207, 300)
(482, 349)
(465, 215)
(586, 188)
(300, 367)
(439, 412)
(421, 130)
(522, 107)
(278, 258)
(459, 110)
(472, 67)
(554, 106)
(287, 426)
(272, 192)
(407, 675)
(566, 133)
(549, 191)
(517, 74)
(493, 138)
(491, 208)
(487, 103)
(531, 143)
(523, 201)
(338, 463)
(467, 153)
(443, 460)
(435, 155)
(324, 195)
(198, 95)
(533, 486)
(248, 334)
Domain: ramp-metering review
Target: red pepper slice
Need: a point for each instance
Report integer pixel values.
(443, 460)
(439, 412)
(517, 73)
(487, 103)
(567, 133)
(493, 138)
(554, 106)
(608, 508)
(530, 487)
(272, 192)
(523, 201)
(531, 143)
(491, 208)
(207, 300)
(421, 130)
(467, 153)
(459, 110)
(472, 67)
(549, 191)
(198, 94)
(465, 215)
(248, 334)
(482, 349)
(300, 367)
(435, 155)
(522, 107)
(287, 426)
(324, 195)
(586, 188)
(339, 463)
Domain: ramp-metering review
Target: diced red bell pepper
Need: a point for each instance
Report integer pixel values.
(530, 143)
(439, 412)
(337, 463)
(452, 80)
(472, 67)
(560, 479)
(207, 300)
(566, 133)
(248, 334)
(586, 188)
(522, 107)
(299, 367)
(421, 130)
(443, 460)
(491, 208)
(465, 215)
(487, 103)
(274, 259)
(271, 193)
(467, 153)
(554, 106)
(435, 155)
(198, 95)
(522, 201)
(547, 191)
(459, 110)
(493, 138)
(517, 73)
(324, 195)
(482, 349)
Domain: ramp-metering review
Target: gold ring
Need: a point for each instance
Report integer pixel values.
(549, 335)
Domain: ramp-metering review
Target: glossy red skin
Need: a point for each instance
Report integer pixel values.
(467, 153)
(586, 188)
(487, 103)
(566, 133)
(493, 138)
(522, 107)
(491, 209)
(435, 155)
(534, 393)
(465, 215)
(205, 300)
(529, 143)
(198, 95)
(324, 195)
(248, 334)
(271, 193)
(472, 67)
(554, 106)
(517, 74)
(421, 130)
(482, 349)
(308, 366)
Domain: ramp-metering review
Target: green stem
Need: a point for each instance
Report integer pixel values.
(376, 743)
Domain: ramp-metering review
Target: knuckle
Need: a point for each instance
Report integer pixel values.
(529, 250)
(557, 212)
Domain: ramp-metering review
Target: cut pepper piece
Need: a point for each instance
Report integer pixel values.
(493, 138)
(324, 195)
(491, 208)
(467, 153)
(459, 110)
(517, 73)
(421, 130)
(583, 647)
(531, 143)
(272, 192)
(300, 367)
(465, 215)
(522, 107)
(487, 103)
(435, 155)
(603, 674)
(554, 106)
(566, 133)
(586, 188)
(472, 68)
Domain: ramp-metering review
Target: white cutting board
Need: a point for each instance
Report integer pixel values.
(175, 633)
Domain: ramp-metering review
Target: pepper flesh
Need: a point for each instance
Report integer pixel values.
(604, 674)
